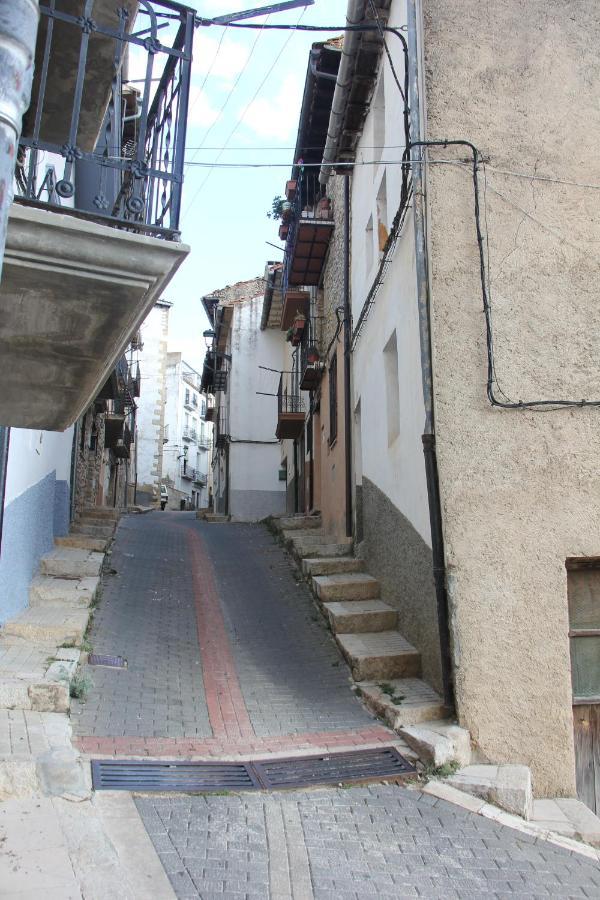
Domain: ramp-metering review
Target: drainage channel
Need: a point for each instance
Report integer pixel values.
(167, 776)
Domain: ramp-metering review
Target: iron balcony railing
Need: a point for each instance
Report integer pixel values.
(187, 471)
(311, 353)
(193, 435)
(115, 133)
(200, 477)
(289, 399)
(186, 434)
(222, 431)
(310, 204)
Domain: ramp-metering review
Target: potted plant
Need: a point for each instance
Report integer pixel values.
(280, 209)
(290, 188)
(312, 355)
(324, 208)
(283, 231)
(289, 334)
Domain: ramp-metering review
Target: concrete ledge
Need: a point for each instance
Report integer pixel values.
(439, 743)
(506, 786)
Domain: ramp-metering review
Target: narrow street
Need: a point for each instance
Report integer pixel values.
(228, 657)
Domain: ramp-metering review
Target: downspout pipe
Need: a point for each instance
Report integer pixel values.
(347, 360)
(354, 16)
(424, 314)
(18, 31)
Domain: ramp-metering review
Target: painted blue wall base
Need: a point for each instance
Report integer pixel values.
(30, 523)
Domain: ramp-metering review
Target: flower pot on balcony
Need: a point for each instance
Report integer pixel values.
(324, 208)
(289, 334)
(290, 188)
(283, 231)
(312, 355)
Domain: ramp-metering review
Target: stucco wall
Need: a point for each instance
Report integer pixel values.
(36, 509)
(254, 453)
(151, 403)
(391, 493)
(520, 489)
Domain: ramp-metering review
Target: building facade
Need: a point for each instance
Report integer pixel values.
(187, 437)
(242, 360)
(154, 335)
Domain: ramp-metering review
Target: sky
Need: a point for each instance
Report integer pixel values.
(246, 94)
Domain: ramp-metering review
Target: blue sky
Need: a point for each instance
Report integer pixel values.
(224, 219)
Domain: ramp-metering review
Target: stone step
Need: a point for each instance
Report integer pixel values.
(359, 616)
(30, 682)
(332, 566)
(71, 591)
(71, 562)
(216, 519)
(346, 586)
(403, 701)
(380, 655)
(299, 523)
(100, 512)
(305, 544)
(83, 542)
(58, 623)
(93, 529)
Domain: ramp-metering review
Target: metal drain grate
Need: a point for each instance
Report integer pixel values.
(150, 775)
(300, 771)
(115, 662)
(333, 768)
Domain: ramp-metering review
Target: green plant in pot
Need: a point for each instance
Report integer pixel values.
(289, 334)
(280, 209)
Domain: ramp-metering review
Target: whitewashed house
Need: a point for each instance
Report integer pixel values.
(186, 437)
(241, 370)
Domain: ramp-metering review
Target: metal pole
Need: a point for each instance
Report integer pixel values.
(347, 374)
(429, 449)
(18, 29)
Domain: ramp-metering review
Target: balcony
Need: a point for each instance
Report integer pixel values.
(308, 231)
(193, 435)
(186, 434)
(222, 430)
(200, 478)
(290, 408)
(93, 237)
(209, 415)
(187, 472)
(118, 435)
(311, 366)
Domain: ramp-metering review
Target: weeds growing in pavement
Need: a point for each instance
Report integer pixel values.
(386, 688)
(80, 685)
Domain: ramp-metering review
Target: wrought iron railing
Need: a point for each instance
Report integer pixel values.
(222, 431)
(310, 349)
(122, 137)
(187, 471)
(289, 399)
(309, 203)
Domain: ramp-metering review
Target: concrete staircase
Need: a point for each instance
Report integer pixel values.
(384, 664)
(39, 648)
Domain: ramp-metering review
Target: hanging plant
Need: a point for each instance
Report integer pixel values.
(312, 355)
(289, 334)
(280, 209)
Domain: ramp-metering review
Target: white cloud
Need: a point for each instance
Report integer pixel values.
(276, 116)
(200, 111)
(225, 65)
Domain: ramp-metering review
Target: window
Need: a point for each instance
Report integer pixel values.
(583, 589)
(333, 410)
(378, 109)
(369, 254)
(187, 397)
(382, 215)
(392, 388)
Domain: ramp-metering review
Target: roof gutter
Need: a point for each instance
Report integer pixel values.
(354, 16)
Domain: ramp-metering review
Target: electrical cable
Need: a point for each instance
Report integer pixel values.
(242, 114)
(387, 49)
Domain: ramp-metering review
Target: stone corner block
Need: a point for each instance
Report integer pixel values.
(62, 774)
(438, 743)
(18, 778)
(509, 787)
(49, 696)
(585, 823)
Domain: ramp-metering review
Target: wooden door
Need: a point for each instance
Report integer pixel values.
(583, 585)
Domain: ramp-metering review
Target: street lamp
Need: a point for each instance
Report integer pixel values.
(209, 337)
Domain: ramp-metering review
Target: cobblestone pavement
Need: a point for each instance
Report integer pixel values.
(290, 670)
(363, 842)
(226, 652)
(147, 615)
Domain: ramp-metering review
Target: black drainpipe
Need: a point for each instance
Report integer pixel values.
(4, 444)
(424, 304)
(347, 339)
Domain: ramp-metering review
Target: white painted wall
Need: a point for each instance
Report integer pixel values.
(396, 468)
(254, 451)
(154, 332)
(181, 416)
(35, 454)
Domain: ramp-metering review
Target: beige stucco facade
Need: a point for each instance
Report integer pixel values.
(520, 489)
